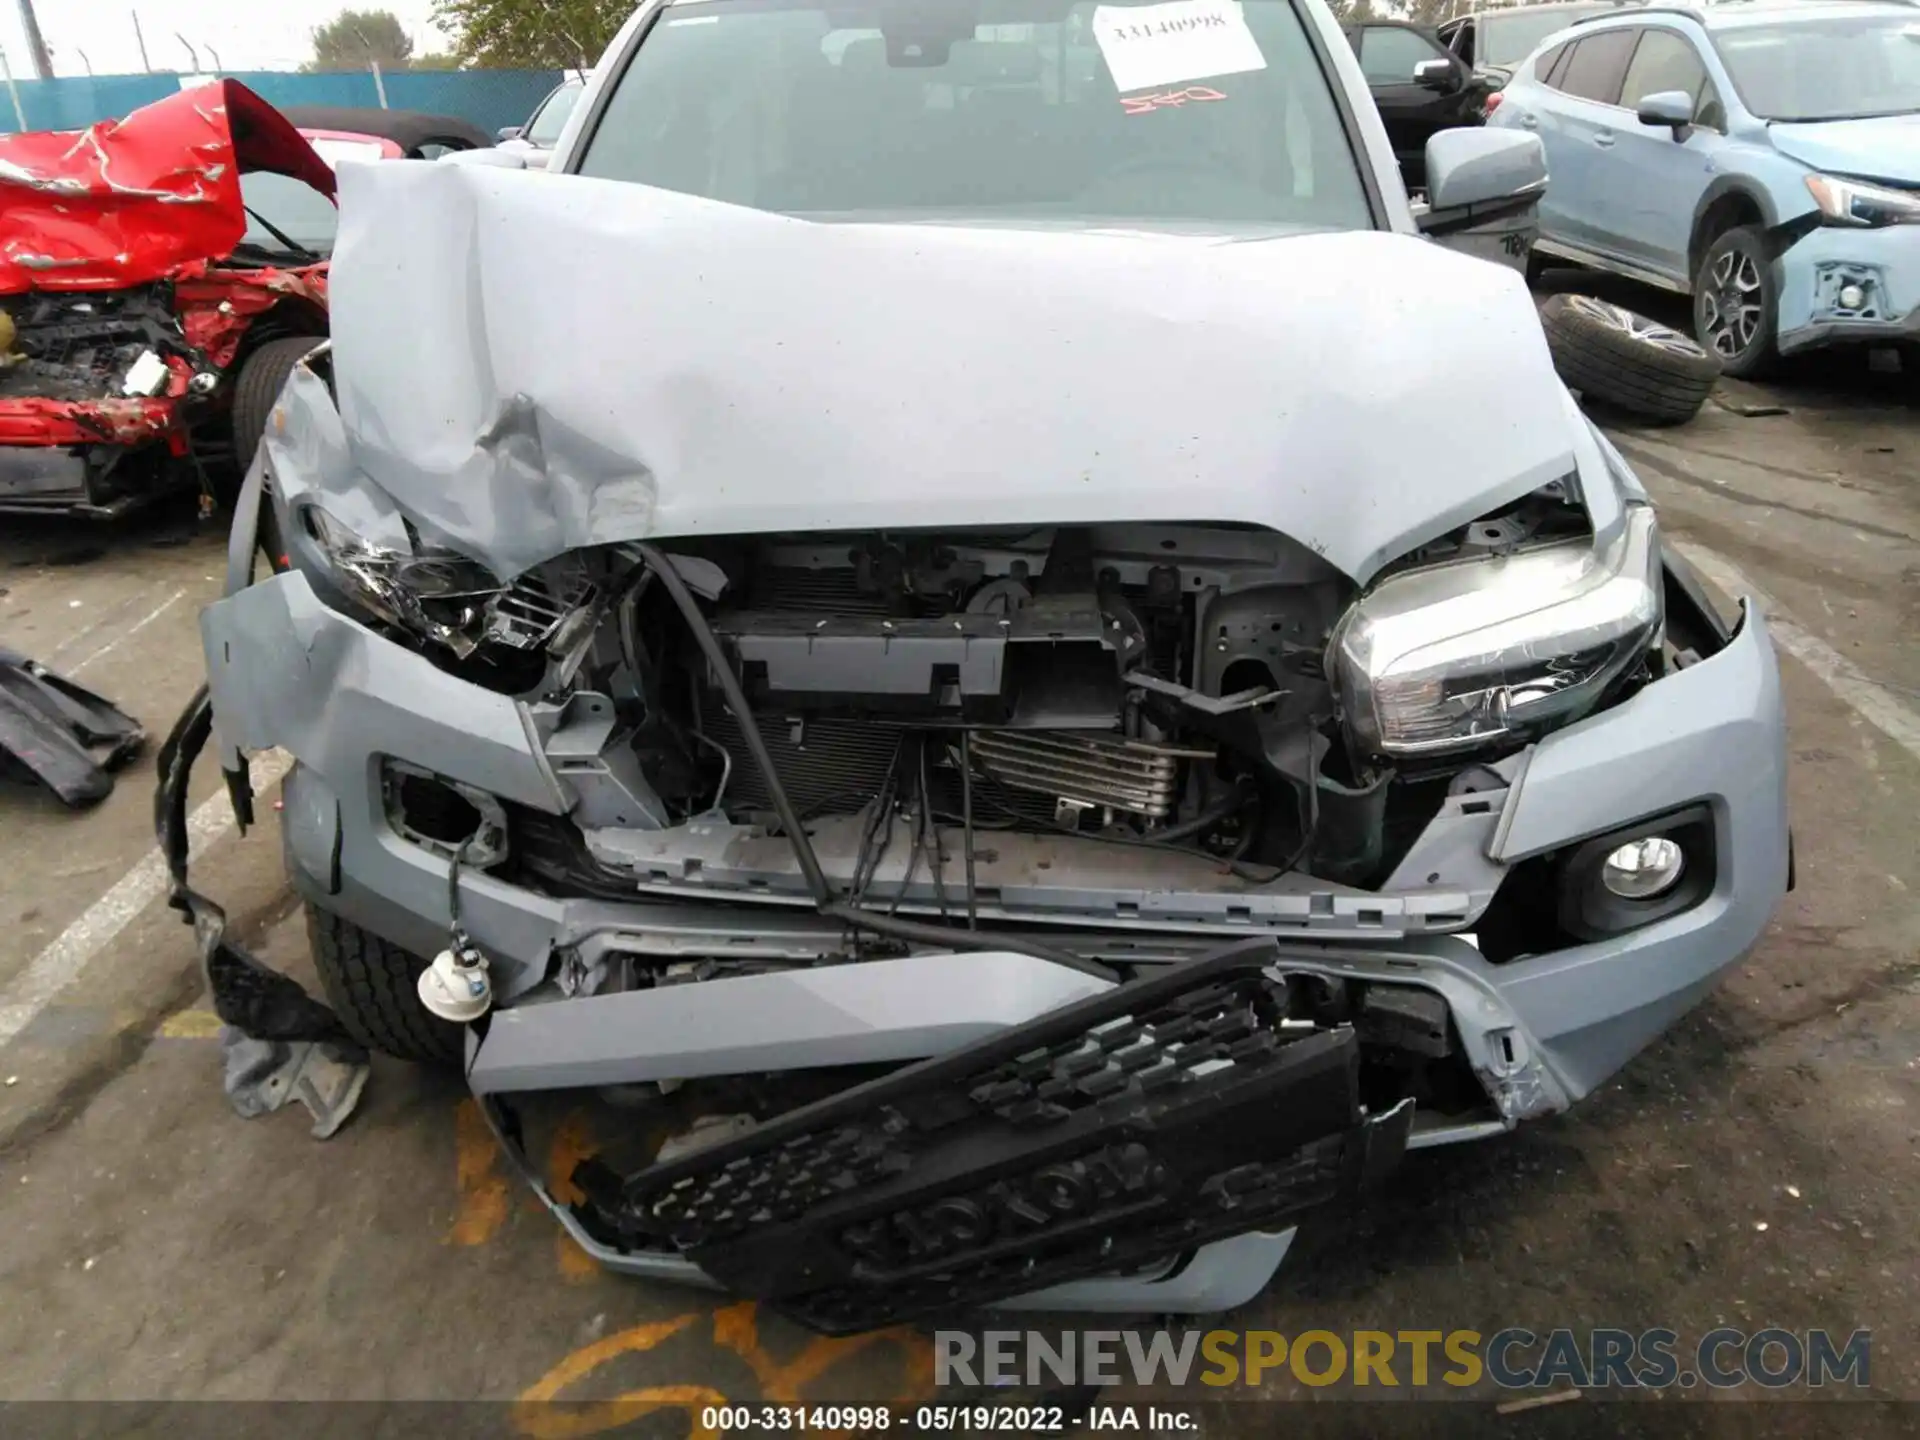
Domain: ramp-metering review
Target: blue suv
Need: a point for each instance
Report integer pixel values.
(1762, 156)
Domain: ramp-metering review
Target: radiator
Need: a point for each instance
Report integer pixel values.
(1085, 770)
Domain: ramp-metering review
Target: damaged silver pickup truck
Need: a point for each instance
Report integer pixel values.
(955, 625)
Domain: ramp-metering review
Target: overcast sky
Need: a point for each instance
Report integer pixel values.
(248, 34)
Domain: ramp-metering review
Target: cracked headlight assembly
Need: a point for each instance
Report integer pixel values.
(438, 596)
(1455, 656)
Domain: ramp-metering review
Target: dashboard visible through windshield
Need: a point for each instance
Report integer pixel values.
(1045, 110)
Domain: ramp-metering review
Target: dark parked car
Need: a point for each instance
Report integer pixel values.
(1419, 87)
(1494, 41)
(343, 132)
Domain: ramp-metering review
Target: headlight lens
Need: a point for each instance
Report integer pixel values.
(438, 595)
(1455, 656)
(1854, 202)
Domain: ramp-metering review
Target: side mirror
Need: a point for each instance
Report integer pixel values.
(1473, 166)
(492, 159)
(510, 132)
(1672, 108)
(1435, 75)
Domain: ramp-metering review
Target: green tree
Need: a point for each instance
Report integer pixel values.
(530, 34)
(435, 60)
(355, 38)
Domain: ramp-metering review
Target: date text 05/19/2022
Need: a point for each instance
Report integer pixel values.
(941, 1419)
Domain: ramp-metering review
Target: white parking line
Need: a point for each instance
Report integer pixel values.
(127, 634)
(1873, 703)
(55, 656)
(63, 961)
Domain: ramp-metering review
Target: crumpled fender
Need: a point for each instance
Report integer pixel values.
(218, 305)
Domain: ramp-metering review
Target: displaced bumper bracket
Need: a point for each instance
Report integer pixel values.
(301, 1039)
(1101, 1138)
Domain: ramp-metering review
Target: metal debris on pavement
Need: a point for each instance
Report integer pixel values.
(1753, 411)
(1536, 1402)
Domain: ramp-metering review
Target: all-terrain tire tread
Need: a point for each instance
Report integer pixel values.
(370, 985)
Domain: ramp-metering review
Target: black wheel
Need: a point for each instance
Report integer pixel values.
(262, 377)
(1610, 354)
(370, 985)
(1736, 310)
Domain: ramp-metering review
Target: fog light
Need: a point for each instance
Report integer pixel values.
(1852, 297)
(1643, 869)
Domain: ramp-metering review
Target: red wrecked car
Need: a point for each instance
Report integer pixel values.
(159, 277)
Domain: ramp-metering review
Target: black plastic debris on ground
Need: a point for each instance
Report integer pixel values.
(59, 734)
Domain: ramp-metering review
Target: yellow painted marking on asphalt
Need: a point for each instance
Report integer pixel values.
(572, 1143)
(737, 1328)
(191, 1025)
(540, 1414)
(483, 1202)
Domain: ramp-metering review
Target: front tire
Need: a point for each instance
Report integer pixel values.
(1736, 308)
(262, 377)
(370, 985)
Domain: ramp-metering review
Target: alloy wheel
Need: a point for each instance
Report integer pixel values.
(1733, 304)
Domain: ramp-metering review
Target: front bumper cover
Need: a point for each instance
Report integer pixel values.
(1809, 275)
(1101, 1136)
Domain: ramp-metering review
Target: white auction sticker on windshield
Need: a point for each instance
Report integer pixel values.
(1151, 45)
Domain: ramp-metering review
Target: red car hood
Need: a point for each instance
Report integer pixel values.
(139, 199)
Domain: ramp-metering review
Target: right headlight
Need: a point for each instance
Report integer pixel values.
(1454, 656)
(1855, 202)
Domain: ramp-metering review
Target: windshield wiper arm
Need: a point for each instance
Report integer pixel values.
(293, 246)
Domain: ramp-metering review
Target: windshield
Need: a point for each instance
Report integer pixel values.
(1826, 69)
(294, 208)
(1505, 40)
(1199, 111)
(551, 118)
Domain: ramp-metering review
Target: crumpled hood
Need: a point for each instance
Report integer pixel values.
(132, 200)
(528, 365)
(1884, 148)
